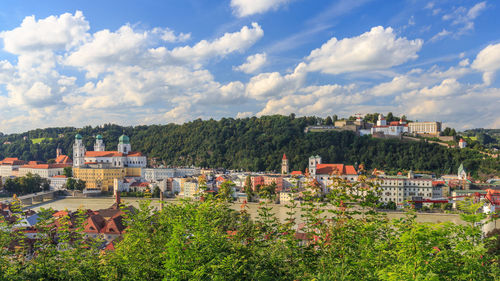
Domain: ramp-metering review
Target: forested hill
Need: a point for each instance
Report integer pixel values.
(255, 144)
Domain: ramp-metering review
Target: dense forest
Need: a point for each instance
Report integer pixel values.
(255, 144)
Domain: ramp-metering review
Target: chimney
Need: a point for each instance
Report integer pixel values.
(118, 201)
(161, 200)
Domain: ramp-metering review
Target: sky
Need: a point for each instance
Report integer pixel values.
(78, 63)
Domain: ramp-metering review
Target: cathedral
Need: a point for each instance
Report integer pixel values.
(122, 157)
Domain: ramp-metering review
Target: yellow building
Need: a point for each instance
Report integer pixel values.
(102, 178)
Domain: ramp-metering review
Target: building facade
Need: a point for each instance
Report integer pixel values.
(431, 128)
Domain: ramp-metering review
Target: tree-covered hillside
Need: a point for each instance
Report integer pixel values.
(255, 144)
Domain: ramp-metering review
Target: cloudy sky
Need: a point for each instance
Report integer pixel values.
(76, 63)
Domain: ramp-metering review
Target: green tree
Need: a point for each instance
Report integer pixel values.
(226, 191)
(68, 172)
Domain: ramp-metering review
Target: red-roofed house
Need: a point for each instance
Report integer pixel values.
(324, 173)
(43, 170)
(9, 166)
(64, 159)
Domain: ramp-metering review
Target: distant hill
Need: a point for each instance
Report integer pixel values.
(255, 144)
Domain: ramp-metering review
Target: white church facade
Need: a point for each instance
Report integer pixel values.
(122, 157)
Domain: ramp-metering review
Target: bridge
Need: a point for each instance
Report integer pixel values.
(33, 198)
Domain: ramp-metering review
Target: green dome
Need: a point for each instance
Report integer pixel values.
(78, 137)
(99, 137)
(124, 139)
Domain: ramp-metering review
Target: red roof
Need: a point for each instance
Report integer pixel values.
(111, 154)
(284, 156)
(296, 173)
(12, 161)
(63, 159)
(394, 123)
(59, 176)
(461, 140)
(341, 169)
(35, 165)
(220, 179)
(436, 183)
(142, 184)
(493, 196)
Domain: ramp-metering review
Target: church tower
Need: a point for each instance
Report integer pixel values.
(124, 144)
(78, 152)
(284, 165)
(313, 162)
(99, 144)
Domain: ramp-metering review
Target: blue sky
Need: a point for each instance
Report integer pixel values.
(76, 63)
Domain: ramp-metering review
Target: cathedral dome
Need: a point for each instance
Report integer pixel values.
(99, 137)
(124, 139)
(78, 137)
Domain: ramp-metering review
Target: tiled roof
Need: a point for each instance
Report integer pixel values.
(63, 159)
(327, 169)
(45, 166)
(111, 154)
(296, 173)
(12, 161)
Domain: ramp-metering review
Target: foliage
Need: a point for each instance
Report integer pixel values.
(68, 172)
(226, 191)
(26, 185)
(75, 184)
(340, 239)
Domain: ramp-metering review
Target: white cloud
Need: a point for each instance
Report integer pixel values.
(228, 43)
(373, 50)
(52, 33)
(265, 85)
(244, 8)
(397, 85)
(464, 18)
(253, 63)
(443, 33)
(488, 61)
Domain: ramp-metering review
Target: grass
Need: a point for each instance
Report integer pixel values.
(39, 140)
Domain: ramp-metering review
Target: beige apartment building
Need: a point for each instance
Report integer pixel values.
(431, 128)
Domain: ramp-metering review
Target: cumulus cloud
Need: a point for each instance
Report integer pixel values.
(397, 85)
(52, 33)
(266, 85)
(253, 63)
(373, 50)
(488, 61)
(244, 8)
(228, 43)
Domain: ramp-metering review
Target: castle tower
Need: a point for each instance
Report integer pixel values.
(124, 144)
(99, 144)
(284, 165)
(381, 120)
(78, 152)
(58, 151)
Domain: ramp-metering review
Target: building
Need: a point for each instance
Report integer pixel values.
(57, 182)
(401, 189)
(462, 144)
(426, 128)
(324, 174)
(284, 165)
(99, 177)
(99, 168)
(158, 174)
(43, 170)
(394, 128)
(122, 157)
(10, 167)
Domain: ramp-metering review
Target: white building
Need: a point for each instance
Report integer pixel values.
(10, 166)
(400, 189)
(123, 157)
(462, 144)
(57, 182)
(432, 128)
(325, 173)
(394, 128)
(43, 170)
